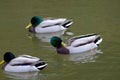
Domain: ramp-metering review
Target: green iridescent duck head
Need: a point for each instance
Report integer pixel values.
(34, 21)
(56, 41)
(8, 56)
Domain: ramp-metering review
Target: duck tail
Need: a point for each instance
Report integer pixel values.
(40, 65)
(67, 23)
(98, 40)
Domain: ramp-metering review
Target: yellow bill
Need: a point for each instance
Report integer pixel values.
(1, 62)
(63, 44)
(28, 26)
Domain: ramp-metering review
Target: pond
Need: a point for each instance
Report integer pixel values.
(89, 16)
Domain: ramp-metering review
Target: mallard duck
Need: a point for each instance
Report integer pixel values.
(22, 63)
(76, 44)
(48, 25)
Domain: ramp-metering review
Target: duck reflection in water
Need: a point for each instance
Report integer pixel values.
(84, 57)
(45, 37)
(25, 76)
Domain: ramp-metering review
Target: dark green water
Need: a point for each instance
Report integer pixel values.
(89, 16)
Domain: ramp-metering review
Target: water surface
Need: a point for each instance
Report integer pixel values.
(89, 16)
